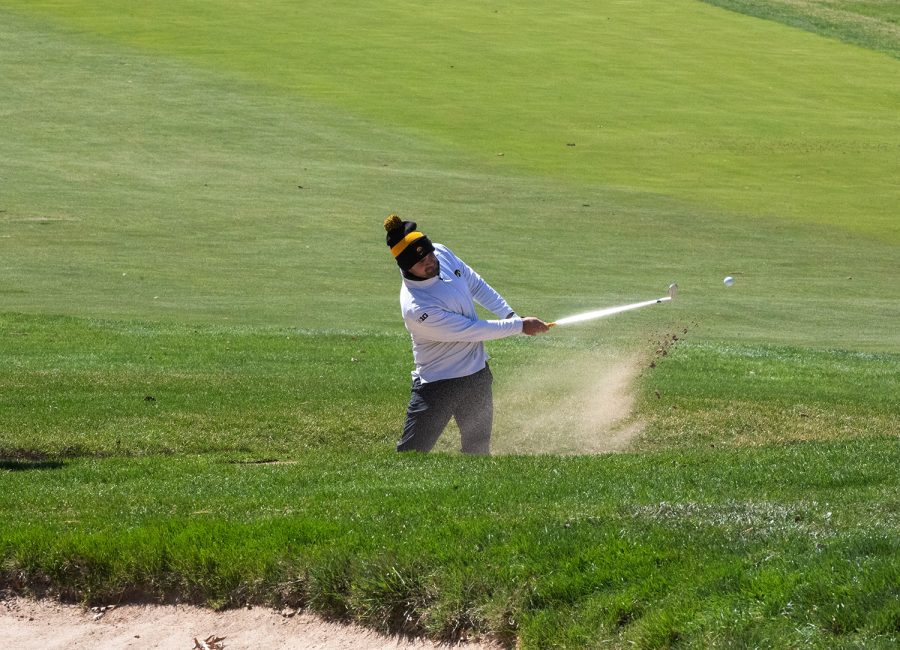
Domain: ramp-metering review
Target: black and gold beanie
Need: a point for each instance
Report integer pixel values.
(408, 245)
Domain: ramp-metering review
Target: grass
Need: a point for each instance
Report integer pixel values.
(868, 23)
(261, 471)
(727, 135)
(195, 285)
(106, 388)
(745, 396)
(182, 198)
(790, 538)
(114, 388)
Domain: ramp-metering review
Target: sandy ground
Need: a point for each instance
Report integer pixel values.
(47, 625)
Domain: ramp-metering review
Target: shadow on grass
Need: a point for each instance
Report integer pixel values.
(26, 465)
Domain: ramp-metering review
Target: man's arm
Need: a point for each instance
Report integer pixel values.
(484, 294)
(440, 325)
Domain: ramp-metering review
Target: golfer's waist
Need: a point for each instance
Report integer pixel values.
(450, 369)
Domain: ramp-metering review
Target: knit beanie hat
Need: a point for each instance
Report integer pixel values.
(408, 245)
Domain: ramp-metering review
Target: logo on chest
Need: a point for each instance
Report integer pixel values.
(457, 273)
(423, 318)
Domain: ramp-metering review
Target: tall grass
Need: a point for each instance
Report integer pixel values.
(707, 547)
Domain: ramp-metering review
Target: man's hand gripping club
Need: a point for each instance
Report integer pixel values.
(532, 326)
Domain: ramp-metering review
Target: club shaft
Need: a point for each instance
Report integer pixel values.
(609, 311)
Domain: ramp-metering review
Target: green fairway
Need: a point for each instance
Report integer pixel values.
(752, 117)
(196, 195)
(195, 285)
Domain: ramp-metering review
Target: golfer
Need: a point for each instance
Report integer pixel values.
(451, 378)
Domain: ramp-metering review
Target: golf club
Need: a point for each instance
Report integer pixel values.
(609, 311)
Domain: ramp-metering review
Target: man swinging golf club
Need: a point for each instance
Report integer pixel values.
(451, 378)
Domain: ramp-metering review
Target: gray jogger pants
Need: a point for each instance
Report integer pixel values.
(468, 399)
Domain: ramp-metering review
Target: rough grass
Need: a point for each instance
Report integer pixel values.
(247, 479)
(746, 396)
(711, 547)
(74, 387)
(873, 24)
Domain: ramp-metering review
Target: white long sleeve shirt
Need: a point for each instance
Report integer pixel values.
(447, 335)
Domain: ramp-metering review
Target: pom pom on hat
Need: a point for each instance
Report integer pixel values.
(408, 245)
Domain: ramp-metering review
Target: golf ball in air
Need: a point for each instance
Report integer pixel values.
(728, 281)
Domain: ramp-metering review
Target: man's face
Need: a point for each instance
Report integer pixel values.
(427, 267)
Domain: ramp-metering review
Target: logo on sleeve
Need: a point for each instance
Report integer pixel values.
(457, 273)
(423, 317)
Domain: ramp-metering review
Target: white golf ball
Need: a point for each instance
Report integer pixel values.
(728, 281)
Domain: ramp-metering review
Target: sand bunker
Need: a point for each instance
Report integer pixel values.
(47, 625)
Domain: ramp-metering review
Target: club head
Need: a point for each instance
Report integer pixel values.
(673, 289)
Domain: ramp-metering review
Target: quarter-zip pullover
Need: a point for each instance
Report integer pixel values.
(440, 314)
